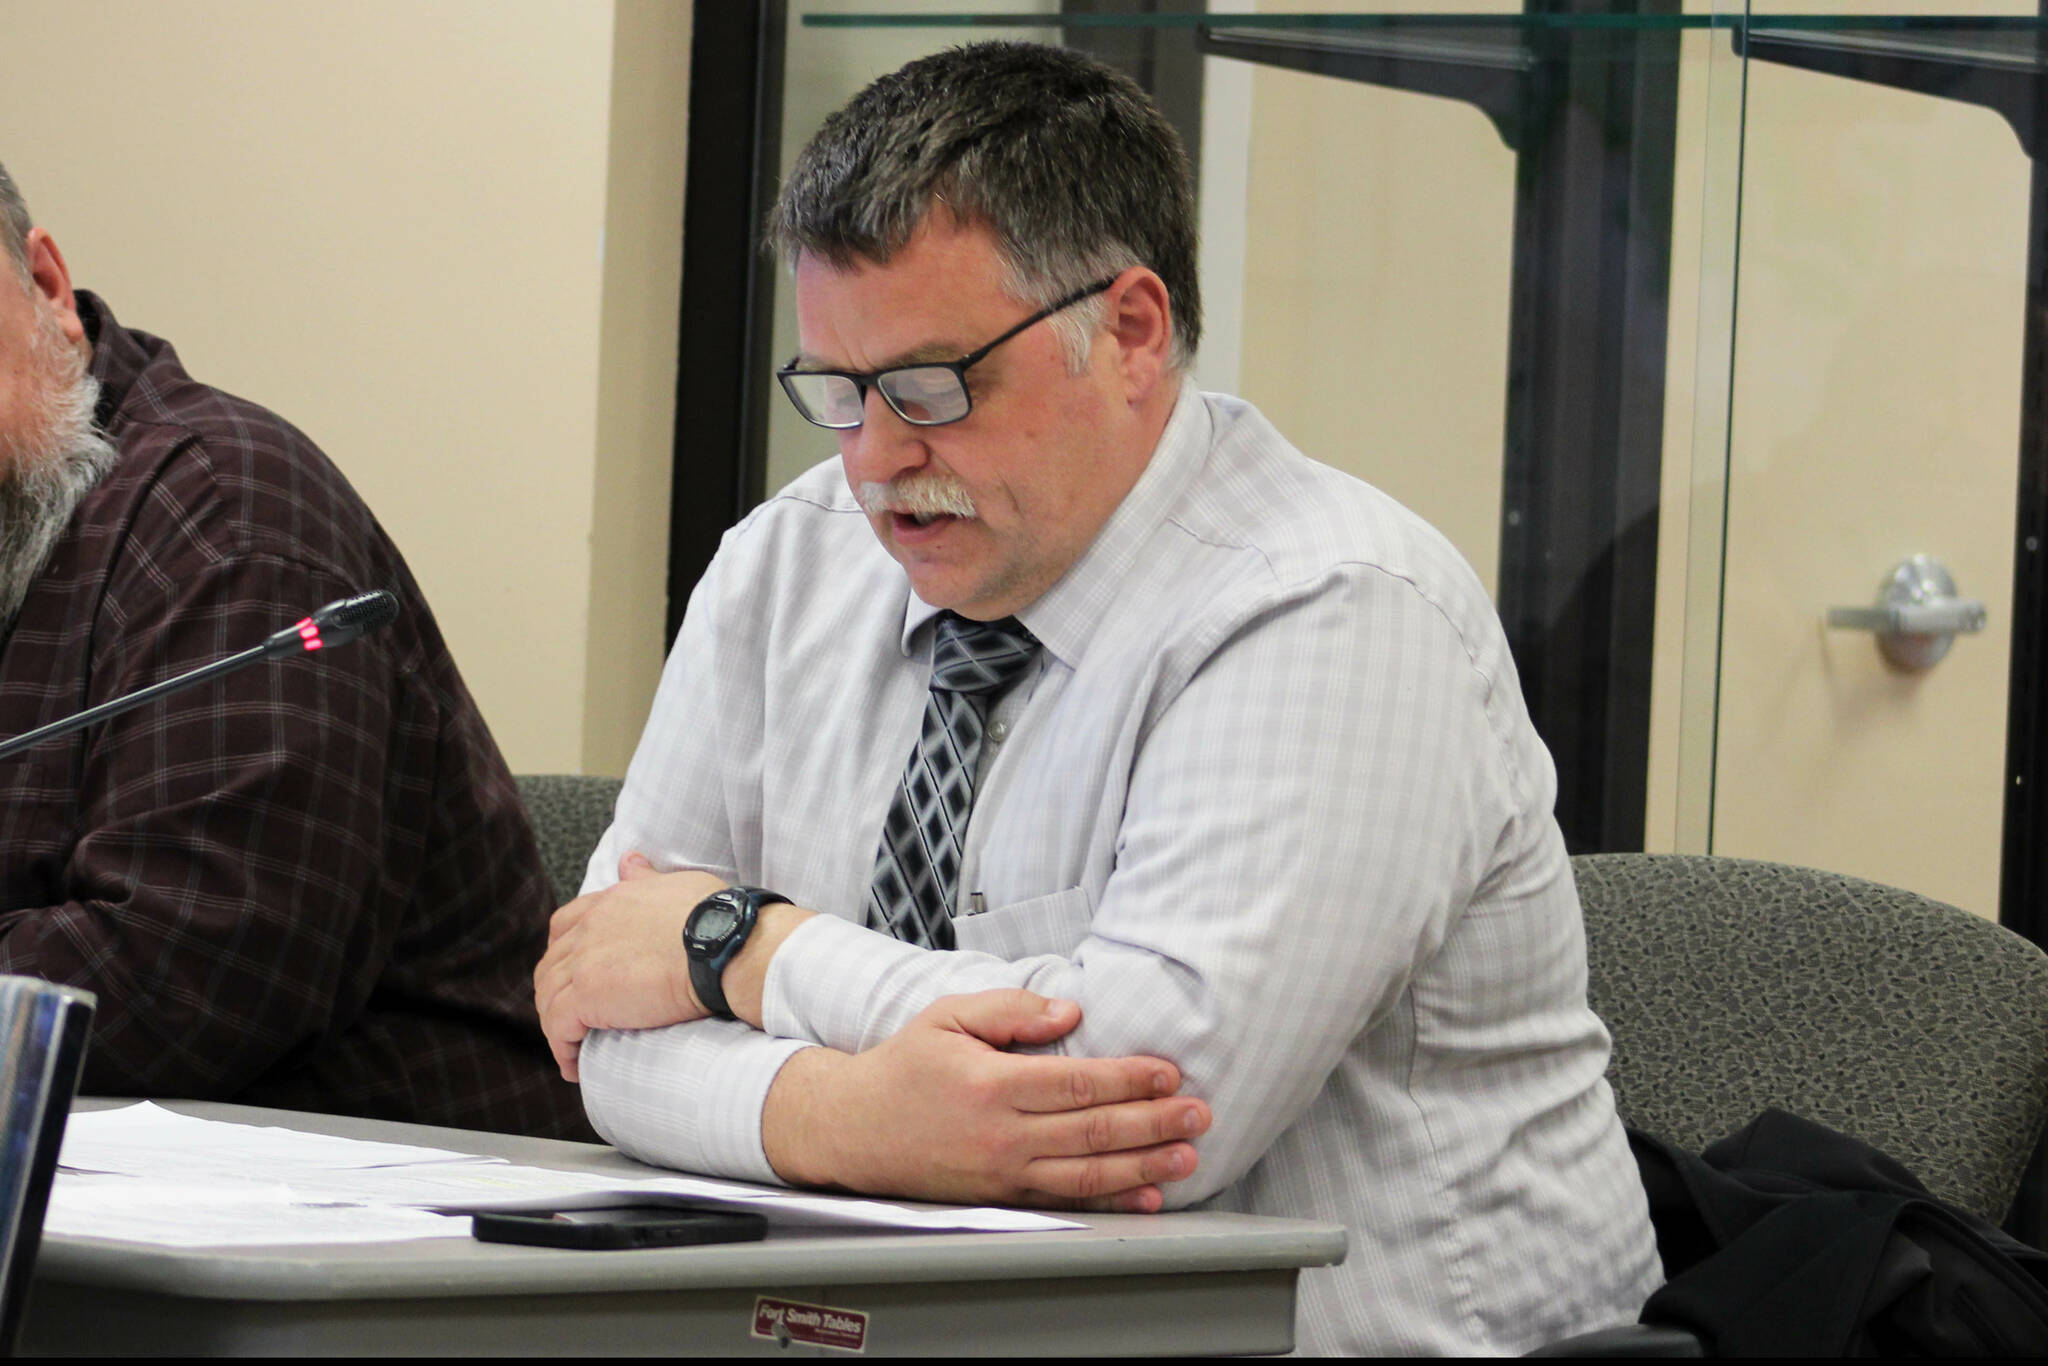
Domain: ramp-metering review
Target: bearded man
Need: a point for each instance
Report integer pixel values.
(308, 885)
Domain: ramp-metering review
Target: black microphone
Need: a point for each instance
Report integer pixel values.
(337, 623)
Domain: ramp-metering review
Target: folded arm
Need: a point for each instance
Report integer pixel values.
(1301, 827)
(938, 1111)
(694, 1094)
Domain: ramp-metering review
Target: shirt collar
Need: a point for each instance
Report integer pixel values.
(1065, 616)
(128, 364)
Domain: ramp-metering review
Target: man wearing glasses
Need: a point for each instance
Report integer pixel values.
(1073, 795)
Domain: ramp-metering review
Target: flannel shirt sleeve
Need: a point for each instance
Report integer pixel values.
(216, 898)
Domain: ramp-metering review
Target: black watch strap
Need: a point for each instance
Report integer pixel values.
(718, 928)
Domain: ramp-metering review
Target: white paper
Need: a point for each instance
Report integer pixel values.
(148, 1140)
(452, 1185)
(146, 1174)
(138, 1209)
(507, 1187)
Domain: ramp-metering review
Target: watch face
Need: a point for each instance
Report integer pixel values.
(712, 924)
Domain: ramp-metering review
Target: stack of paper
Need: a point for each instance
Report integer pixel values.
(146, 1174)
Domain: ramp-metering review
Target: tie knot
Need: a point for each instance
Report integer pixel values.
(979, 656)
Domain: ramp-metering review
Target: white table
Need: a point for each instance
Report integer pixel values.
(1177, 1283)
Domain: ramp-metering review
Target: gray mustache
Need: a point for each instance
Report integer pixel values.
(924, 496)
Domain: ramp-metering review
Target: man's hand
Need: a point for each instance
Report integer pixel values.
(615, 958)
(939, 1112)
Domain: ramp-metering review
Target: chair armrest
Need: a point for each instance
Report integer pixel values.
(1628, 1340)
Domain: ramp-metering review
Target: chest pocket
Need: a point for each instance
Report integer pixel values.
(1055, 923)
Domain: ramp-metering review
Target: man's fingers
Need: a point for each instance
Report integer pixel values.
(561, 1021)
(1008, 1015)
(1046, 1085)
(563, 1030)
(1142, 1200)
(1100, 1181)
(568, 918)
(548, 983)
(1137, 1200)
(1120, 1128)
(635, 866)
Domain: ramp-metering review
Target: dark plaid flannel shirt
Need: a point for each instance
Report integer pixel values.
(308, 885)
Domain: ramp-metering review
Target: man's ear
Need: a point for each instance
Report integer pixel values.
(51, 279)
(1141, 319)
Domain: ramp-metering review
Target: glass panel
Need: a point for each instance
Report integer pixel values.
(1706, 217)
(1876, 416)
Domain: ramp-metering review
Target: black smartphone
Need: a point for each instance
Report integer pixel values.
(622, 1226)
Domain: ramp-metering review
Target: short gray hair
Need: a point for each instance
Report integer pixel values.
(1068, 162)
(14, 222)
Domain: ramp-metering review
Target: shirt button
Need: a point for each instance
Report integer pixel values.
(998, 732)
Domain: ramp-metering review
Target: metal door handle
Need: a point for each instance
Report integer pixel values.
(1917, 616)
(1957, 616)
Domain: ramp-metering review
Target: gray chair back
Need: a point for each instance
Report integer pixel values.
(1732, 986)
(570, 814)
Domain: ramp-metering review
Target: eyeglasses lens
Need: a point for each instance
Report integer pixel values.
(828, 400)
(925, 394)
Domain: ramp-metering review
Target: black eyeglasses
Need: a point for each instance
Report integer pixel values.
(929, 394)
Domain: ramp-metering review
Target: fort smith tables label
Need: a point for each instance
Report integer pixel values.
(813, 1325)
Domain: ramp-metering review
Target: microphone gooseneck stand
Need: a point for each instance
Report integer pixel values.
(337, 623)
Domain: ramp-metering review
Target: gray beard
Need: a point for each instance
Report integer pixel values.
(42, 490)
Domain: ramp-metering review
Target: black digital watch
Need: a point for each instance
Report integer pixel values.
(718, 928)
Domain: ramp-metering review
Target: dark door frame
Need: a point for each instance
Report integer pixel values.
(726, 324)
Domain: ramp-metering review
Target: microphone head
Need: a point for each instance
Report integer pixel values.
(349, 619)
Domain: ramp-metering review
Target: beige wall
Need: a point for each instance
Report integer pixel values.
(643, 273)
(1378, 228)
(444, 239)
(1376, 292)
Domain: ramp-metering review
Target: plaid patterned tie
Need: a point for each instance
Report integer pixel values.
(917, 869)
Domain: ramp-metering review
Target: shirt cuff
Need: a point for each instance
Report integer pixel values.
(686, 1096)
(825, 978)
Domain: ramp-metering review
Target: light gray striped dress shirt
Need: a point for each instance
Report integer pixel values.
(1269, 805)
